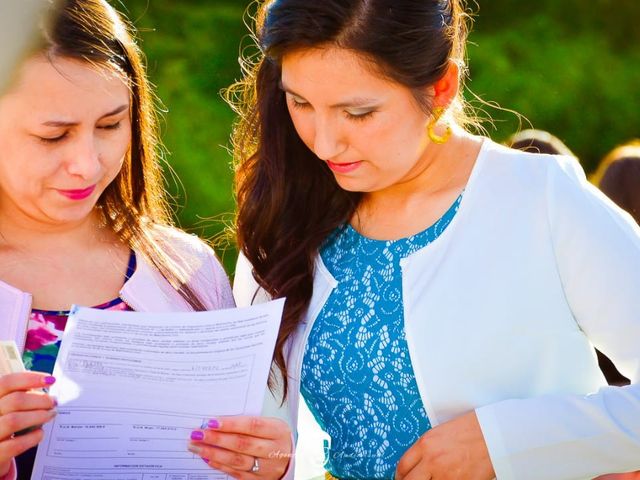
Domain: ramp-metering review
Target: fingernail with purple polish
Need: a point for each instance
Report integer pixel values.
(197, 435)
(213, 423)
(49, 380)
(205, 460)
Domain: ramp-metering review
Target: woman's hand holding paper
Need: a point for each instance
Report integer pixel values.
(24, 407)
(245, 447)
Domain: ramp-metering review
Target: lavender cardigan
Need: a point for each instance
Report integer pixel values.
(146, 290)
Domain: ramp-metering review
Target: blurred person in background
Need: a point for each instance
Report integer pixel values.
(444, 292)
(618, 176)
(538, 141)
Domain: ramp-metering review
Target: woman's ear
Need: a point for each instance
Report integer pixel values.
(446, 89)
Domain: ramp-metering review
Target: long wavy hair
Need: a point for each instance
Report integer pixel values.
(288, 200)
(135, 203)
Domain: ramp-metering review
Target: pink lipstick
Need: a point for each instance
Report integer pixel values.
(78, 194)
(343, 167)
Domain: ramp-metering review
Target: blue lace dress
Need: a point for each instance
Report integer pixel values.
(357, 377)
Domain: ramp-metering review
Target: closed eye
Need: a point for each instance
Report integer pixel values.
(111, 126)
(359, 115)
(50, 140)
(297, 102)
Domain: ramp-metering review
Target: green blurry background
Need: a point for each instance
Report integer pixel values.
(571, 67)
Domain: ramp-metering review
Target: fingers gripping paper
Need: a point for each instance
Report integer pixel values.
(131, 387)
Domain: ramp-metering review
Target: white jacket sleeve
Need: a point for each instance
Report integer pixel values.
(597, 250)
(246, 290)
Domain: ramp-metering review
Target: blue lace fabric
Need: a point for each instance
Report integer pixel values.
(357, 377)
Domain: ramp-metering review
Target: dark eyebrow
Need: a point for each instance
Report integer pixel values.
(61, 123)
(352, 103)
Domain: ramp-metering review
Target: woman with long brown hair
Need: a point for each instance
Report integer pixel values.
(84, 220)
(444, 293)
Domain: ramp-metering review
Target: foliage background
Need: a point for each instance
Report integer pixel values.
(571, 67)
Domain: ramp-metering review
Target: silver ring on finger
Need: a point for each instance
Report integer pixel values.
(255, 468)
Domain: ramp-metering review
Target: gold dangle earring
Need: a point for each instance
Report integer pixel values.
(435, 138)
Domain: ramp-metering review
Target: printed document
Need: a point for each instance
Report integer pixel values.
(132, 386)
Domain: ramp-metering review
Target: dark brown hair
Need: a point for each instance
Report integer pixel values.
(288, 200)
(538, 141)
(618, 176)
(135, 202)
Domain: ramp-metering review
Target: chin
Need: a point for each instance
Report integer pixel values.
(78, 215)
(355, 186)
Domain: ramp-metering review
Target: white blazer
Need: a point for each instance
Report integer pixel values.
(502, 313)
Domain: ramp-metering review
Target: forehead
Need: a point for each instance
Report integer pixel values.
(54, 83)
(333, 69)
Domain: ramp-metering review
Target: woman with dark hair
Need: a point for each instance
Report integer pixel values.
(538, 141)
(618, 176)
(444, 293)
(84, 220)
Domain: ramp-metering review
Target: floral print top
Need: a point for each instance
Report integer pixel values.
(45, 329)
(44, 335)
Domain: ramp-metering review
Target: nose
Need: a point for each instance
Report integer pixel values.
(84, 158)
(328, 141)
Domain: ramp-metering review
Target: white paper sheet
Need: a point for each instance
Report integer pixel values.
(132, 386)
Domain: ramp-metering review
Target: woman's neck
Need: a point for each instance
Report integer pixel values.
(416, 203)
(83, 263)
(40, 238)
